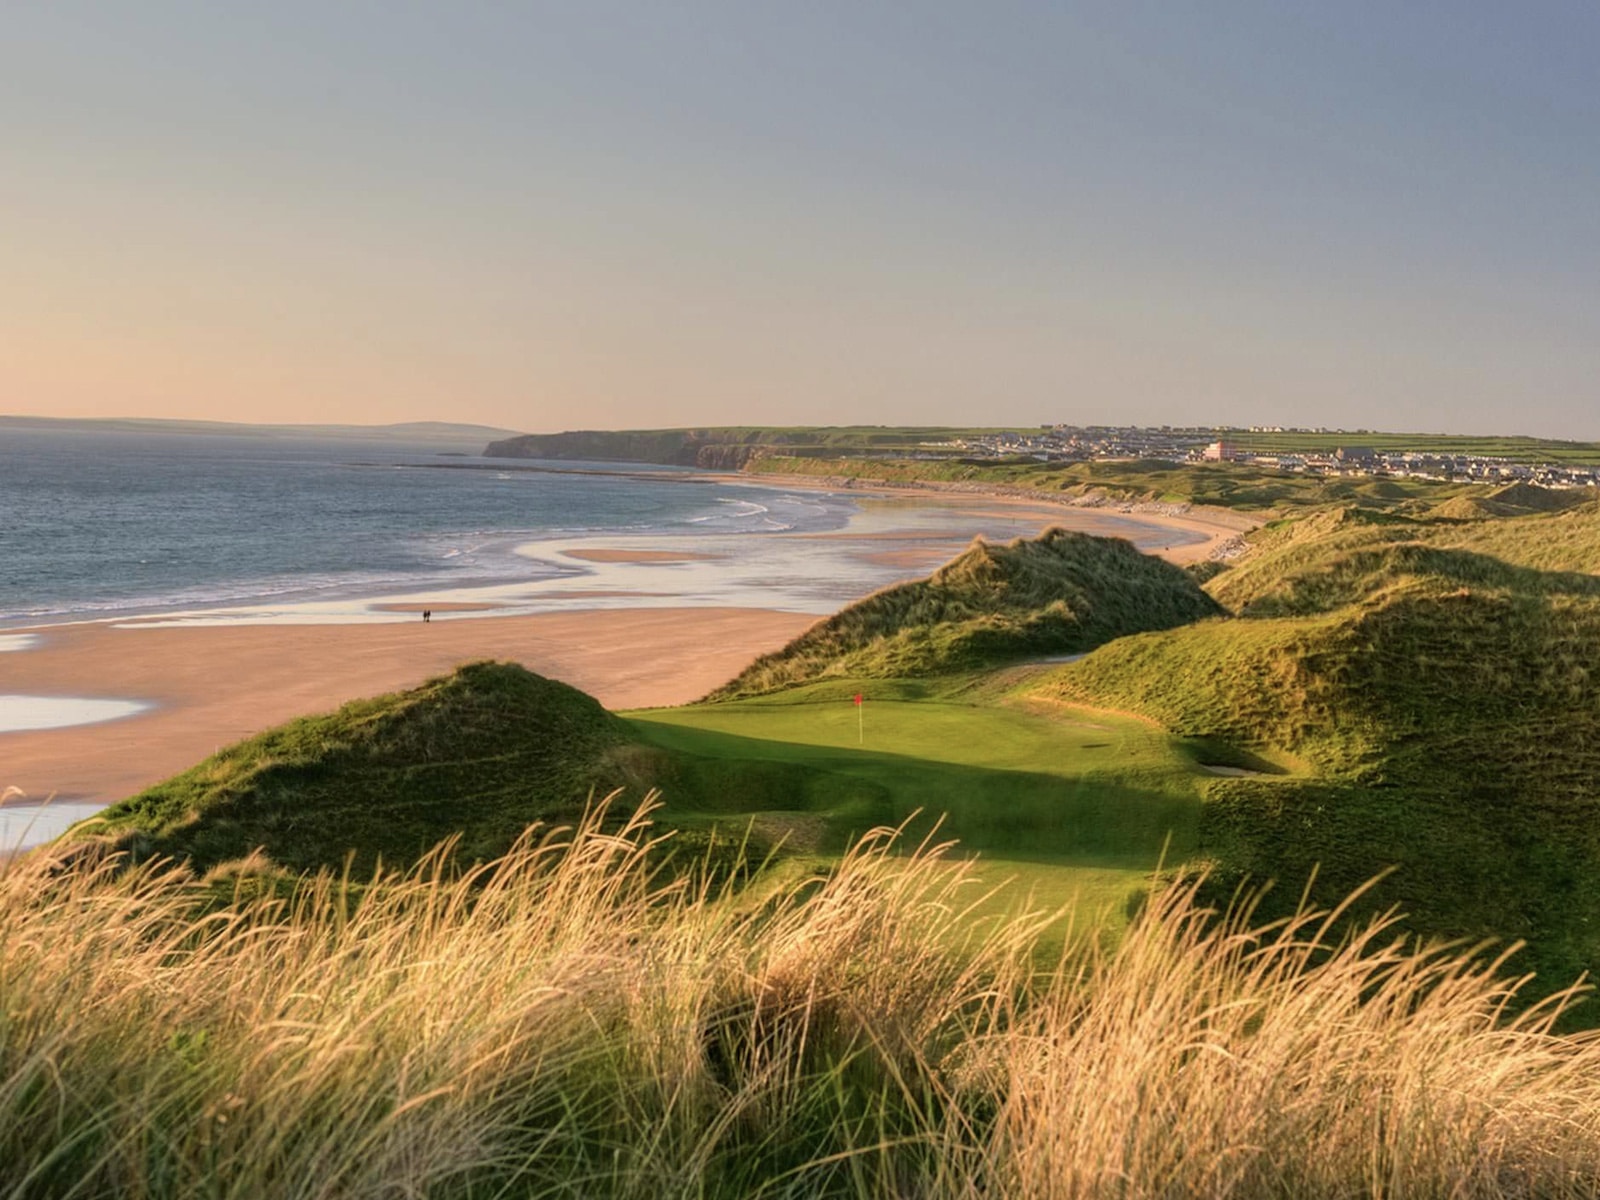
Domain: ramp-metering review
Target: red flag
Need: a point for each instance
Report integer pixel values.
(858, 697)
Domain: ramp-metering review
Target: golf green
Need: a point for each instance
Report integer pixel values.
(1070, 806)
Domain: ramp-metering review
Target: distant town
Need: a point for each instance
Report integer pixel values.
(1071, 443)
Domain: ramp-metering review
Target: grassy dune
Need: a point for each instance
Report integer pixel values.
(1077, 808)
(1400, 691)
(1328, 545)
(476, 755)
(563, 1024)
(1059, 593)
(1430, 685)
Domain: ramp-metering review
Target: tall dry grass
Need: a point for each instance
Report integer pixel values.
(563, 1022)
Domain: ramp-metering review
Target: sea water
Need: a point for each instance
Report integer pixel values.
(97, 524)
(215, 529)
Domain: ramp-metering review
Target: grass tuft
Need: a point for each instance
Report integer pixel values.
(566, 1021)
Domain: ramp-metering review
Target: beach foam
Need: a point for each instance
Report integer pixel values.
(18, 641)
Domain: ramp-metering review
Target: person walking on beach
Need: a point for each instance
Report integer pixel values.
(427, 615)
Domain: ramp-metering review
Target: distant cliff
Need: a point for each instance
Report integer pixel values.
(727, 447)
(721, 449)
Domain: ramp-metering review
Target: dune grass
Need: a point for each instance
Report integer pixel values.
(1435, 682)
(477, 755)
(564, 1023)
(1059, 593)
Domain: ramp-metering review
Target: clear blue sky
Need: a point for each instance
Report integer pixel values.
(548, 216)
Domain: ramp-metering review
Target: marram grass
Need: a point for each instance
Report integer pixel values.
(561, 1022)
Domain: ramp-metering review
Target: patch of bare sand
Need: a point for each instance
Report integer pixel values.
(943, 536)
(580, 594)
(924, 558)
(214, 685)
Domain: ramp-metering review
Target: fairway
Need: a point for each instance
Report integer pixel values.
(1074, 806)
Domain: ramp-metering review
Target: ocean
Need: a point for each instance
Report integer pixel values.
(97, 524)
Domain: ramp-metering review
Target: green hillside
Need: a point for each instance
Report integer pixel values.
(1364, 689)
(723, 447)
(1059, 593)
(1333, 548)
(1511, 448)
(479, 754)
(927, 452)
(1240, 486)
(1431, 701)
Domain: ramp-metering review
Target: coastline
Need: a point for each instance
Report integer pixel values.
(645, 622)
(1217, 526)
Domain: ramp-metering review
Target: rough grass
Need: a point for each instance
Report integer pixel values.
(476, 755)
(562, 1024)
(1435, 683)
(1059, 593)
(1323, 544)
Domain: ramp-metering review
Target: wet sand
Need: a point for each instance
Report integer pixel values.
(421, 606)
(211, 686)
(599, 555)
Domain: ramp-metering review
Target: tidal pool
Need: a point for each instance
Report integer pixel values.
(26, 825)
(19, 713)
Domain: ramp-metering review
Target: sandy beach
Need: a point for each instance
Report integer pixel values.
(1208, 528)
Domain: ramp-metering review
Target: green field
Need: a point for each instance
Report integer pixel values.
(1239, 486)
(734, 445)
(1516, 449)
(1070, 806)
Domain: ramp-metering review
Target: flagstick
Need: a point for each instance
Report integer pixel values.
(861, 734)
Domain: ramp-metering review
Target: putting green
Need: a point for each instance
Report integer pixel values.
(1073, 806)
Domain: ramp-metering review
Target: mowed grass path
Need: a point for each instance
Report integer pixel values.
(1073, 807)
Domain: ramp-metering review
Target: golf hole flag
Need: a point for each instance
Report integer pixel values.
(860, 730)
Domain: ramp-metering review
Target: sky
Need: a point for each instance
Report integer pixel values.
(1361, 214)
